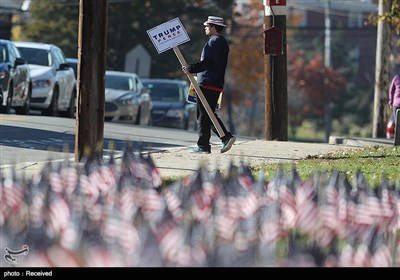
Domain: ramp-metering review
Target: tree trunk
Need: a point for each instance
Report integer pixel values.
(382, 72)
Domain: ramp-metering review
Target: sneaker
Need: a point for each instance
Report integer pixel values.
(227, 145)
(198, 150)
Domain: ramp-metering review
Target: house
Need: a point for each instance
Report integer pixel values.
(349, 19)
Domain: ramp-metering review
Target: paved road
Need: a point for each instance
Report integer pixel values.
(26, 140)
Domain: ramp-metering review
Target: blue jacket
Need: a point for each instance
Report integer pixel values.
(213, 62)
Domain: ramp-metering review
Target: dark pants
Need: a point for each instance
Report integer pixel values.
(204, 121)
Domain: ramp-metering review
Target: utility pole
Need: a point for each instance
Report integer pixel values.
(91, 77)
(328, 64)
(275, 70)
(382, 71)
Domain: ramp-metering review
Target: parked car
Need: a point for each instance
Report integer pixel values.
(15, 80)
(170, 108)
(126, 100)
(54, 83)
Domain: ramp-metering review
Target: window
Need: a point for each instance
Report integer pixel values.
(164, 92)
(36, 56)
(118, 82)
(355, 20)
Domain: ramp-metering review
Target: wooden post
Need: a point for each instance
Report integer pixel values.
(275, 76)
(200, 94)
(91, 77)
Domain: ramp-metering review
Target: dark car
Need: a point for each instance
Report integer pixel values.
(170, 108)
(15, 80)
(73, 62)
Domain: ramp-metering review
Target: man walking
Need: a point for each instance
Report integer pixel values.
(211, 77)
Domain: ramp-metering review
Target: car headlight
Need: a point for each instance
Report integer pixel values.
(2, 75)
(41, 83)
(176, 113)
(127, 99)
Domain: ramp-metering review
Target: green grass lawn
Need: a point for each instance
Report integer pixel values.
(376, 163)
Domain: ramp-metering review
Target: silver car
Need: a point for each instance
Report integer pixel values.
(126, 100)
(54, 83)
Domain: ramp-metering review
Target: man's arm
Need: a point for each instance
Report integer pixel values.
(209, 52)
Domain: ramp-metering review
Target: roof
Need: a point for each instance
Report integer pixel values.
(34, 45)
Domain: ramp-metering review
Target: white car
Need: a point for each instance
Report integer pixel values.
(53, 79)
(126, 100)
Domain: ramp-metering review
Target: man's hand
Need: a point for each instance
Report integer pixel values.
(185, 69)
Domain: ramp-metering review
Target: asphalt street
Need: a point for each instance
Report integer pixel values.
(29, 142)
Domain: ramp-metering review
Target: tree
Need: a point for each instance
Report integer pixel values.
(392, 16)
(246, 57)
(318, 85)
(54, 22)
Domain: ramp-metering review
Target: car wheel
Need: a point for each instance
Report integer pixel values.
(70, 113)
(24, 110)
(53, 108)
(7, 108)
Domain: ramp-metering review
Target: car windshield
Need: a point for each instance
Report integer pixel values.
(119, 82)
(164, 92)
(3, 54)
(36, 56)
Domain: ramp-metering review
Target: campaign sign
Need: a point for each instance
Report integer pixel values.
(168, 35)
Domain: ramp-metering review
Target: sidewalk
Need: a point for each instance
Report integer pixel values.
(181, 162)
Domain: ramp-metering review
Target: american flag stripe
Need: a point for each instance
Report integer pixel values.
(346, 258)
(288, 216)
(70, 237)
(152, 205)
(170, 243)
(61, 257)
(13, 194)
(56, 182)
(59, 215)
(382, 257)
(229, 206)
(87, 188)
(69, 177)
(307, 217)
(271, 231)
(226, 227)
(200, 214)
(248, 205)
(127, 204)
(362, 256)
